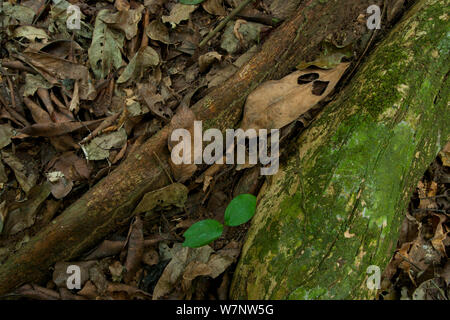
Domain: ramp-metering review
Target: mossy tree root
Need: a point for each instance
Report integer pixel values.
(334, 208)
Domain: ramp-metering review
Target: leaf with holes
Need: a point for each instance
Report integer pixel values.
(276, 103)
(104, 52)
(202, 233)
(240, 210)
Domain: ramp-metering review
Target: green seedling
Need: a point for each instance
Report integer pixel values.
(240, 210)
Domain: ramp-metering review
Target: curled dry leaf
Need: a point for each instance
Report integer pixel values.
(154, 100)
(204, 61)
(104, 52)
(173, 273)
(214, 7)
(156, 30)
(179, 13)
(98, 148)
(6, 133)
(183, 119)
(24, 168)
(277, 103)
(50, 129)
(145, 57)
(23, 215)
(135, 249)
(187, 264)
(125, 20)
(56, 67)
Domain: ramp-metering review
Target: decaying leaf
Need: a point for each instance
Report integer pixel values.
(173, 273)
(277, 103)
(3, 213)
(23, 215)
(34, 82)
(187, 264)
(445, 155)
(31, 33)
(204, 61)
(179, 13)
(157, 31)
(104, 52)
(145, 57)
(25, 171)
(214, 7)
(6, 132)
(154, 100)
(135, 249)
(18, 12)
(51, 129)
(184, 118)
(54, 67)
(98, 148)
(174, 194)
(125, 20)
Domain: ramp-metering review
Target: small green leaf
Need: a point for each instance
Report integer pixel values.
(202, 233)
(240, 210)
(190, 1)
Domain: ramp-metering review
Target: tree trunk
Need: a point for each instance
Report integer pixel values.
(335, 206)
(109, 204)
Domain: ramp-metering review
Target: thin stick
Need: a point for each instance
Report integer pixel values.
(162, 167)
(223, 23)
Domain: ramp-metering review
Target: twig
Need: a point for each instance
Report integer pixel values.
(372, 38)
(162, 167)
(223, 23)
(144, 41)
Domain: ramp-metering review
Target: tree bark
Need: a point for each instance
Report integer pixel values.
(335, 206)
(110, 203)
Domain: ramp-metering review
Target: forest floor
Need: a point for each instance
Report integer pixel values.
(76, 103)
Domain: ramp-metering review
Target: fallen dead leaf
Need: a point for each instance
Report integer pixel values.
(277, 103)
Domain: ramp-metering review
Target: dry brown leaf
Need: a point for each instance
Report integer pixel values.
(174, 194)
(125, 20)
(132, 292)
(23, 215)
(184, 118)
(154, 100)
(214, 7)
(50, 129)
(39, 115)
(52, 67)
(156, 30)
(122, 5)
(135, 249)
(89, 291)
(204, 61)
(277, 103)
(440, 235)
(24, 168)
(172, 274)
(445, 155)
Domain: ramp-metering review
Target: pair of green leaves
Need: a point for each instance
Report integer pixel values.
(240, 210)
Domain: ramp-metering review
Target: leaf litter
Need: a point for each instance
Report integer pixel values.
(76, 103)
